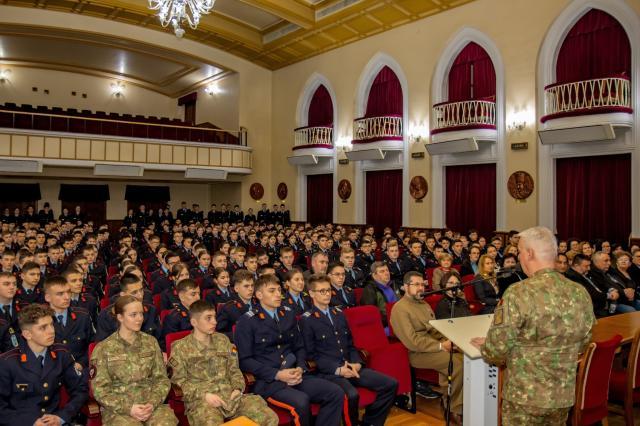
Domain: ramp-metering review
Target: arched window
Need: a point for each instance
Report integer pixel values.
(597, 46)
(472, 75)
(321, 108)
(385, 95)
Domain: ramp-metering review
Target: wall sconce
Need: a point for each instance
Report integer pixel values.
(117, 89)
(518, 120)
(212, 89)
(415, 138)
(4, 75)
(517, 125)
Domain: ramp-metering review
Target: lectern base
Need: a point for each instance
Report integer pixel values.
(480, 393)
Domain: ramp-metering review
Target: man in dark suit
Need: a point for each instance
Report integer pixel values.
(601, 276)
(415, 260)
(184, 214)
(579, 273)
(264, 216)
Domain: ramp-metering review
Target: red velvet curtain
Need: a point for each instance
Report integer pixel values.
(461, 79)
(593, 197)
(321, 108)
(385, 96)
(384, 199)
(320, 198)
(471, 198)
(597, 46)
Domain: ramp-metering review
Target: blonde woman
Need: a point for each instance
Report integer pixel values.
(487, 289)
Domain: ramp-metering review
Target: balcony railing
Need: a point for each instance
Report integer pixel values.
(29, 120)
(370, 129)
(314, 137)
(461, 115)
(598, 95)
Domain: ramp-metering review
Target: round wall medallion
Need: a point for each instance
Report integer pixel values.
(283, 191)
(418, 187)
(344, 189)
(520, 185)
(256, 191)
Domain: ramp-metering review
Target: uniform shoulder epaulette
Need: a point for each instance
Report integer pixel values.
(306, 314)
(15, 352)
(286, 308)
(80, 310)
(57, 347)
(230, 302)
(249, 313)
(337, 309)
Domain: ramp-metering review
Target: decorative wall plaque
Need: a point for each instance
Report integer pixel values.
(418, 187)
(283, 191)
(344, 190)
(520, 185)
(256, 191)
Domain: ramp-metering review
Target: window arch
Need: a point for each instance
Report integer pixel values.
(385, 95)
(320, 108)
(472, 75)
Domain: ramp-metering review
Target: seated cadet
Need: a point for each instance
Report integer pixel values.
(415, 260)
(328, 342)
(287, 258)
(29, 291)
(237, 259)
(220, 293)
(107, 325)
(379, 291)
(295, 298)
(178, 319)
(160, 280)
(9, 309)
(341, 295)
(267, 270)
(366, 257)
(271, 348)
(73, 326)
(242, 302)
(203, 271)
(127, 372)
(169, 298)
(205, 366)
(427, 347)
(78, 298)
(251, 265)
(32, 374)
(354, 277)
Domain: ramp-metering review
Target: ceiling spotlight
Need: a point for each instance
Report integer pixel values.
(4, 75)
(117, 89)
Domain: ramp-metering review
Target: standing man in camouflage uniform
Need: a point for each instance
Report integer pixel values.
(539, 330)
(127, 372)
(205, 366)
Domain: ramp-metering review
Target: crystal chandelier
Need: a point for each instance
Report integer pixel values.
(174, 12)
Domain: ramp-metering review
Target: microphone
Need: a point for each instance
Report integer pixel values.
(505, 272)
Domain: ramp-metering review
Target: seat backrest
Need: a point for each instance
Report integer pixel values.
(467, 278)
(633, 369)
(157, 301)
(433, 300)
(357, 293)
(594, 372)
(469, 293)
(366, 327)
(428, 274)
(164, 313)
(172, 337)
(389, 307)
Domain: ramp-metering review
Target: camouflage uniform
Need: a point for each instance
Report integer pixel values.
(200, 369)
(539, 330)
(124, 374)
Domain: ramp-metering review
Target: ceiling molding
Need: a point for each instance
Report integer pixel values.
(289, 10)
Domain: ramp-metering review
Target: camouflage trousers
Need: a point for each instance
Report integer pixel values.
(251, 406)
(162, 416)
(518, 415)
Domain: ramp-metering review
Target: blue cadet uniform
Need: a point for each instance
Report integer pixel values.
(218, 295)
(342, 297)
(108, 324)
(230, 313)
(169, 298)
(9, 330)
(297, 304)
(74, 330)
(29, 389)
(269, 342)
(177, 320)
(328, 342)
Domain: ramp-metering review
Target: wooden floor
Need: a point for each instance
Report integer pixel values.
(428, 414)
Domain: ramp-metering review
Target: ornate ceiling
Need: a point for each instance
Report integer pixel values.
(270, 33)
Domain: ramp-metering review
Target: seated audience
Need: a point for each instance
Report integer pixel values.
(295, 298)
(378, 292)
(341, 295)
(486, 288)
(444, 267)
(453, 304)
(178, 319)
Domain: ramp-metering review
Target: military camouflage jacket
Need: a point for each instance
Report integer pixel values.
(124, 374)
(539, 330)
(200, 369)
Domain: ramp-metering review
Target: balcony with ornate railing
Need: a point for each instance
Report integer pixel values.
(376, 129)
(313, 137)
(609, 95)
(463, 115)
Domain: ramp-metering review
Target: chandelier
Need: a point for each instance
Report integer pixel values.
(174, 12)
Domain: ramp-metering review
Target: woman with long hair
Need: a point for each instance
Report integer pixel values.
(486, 287)
(127, 372)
